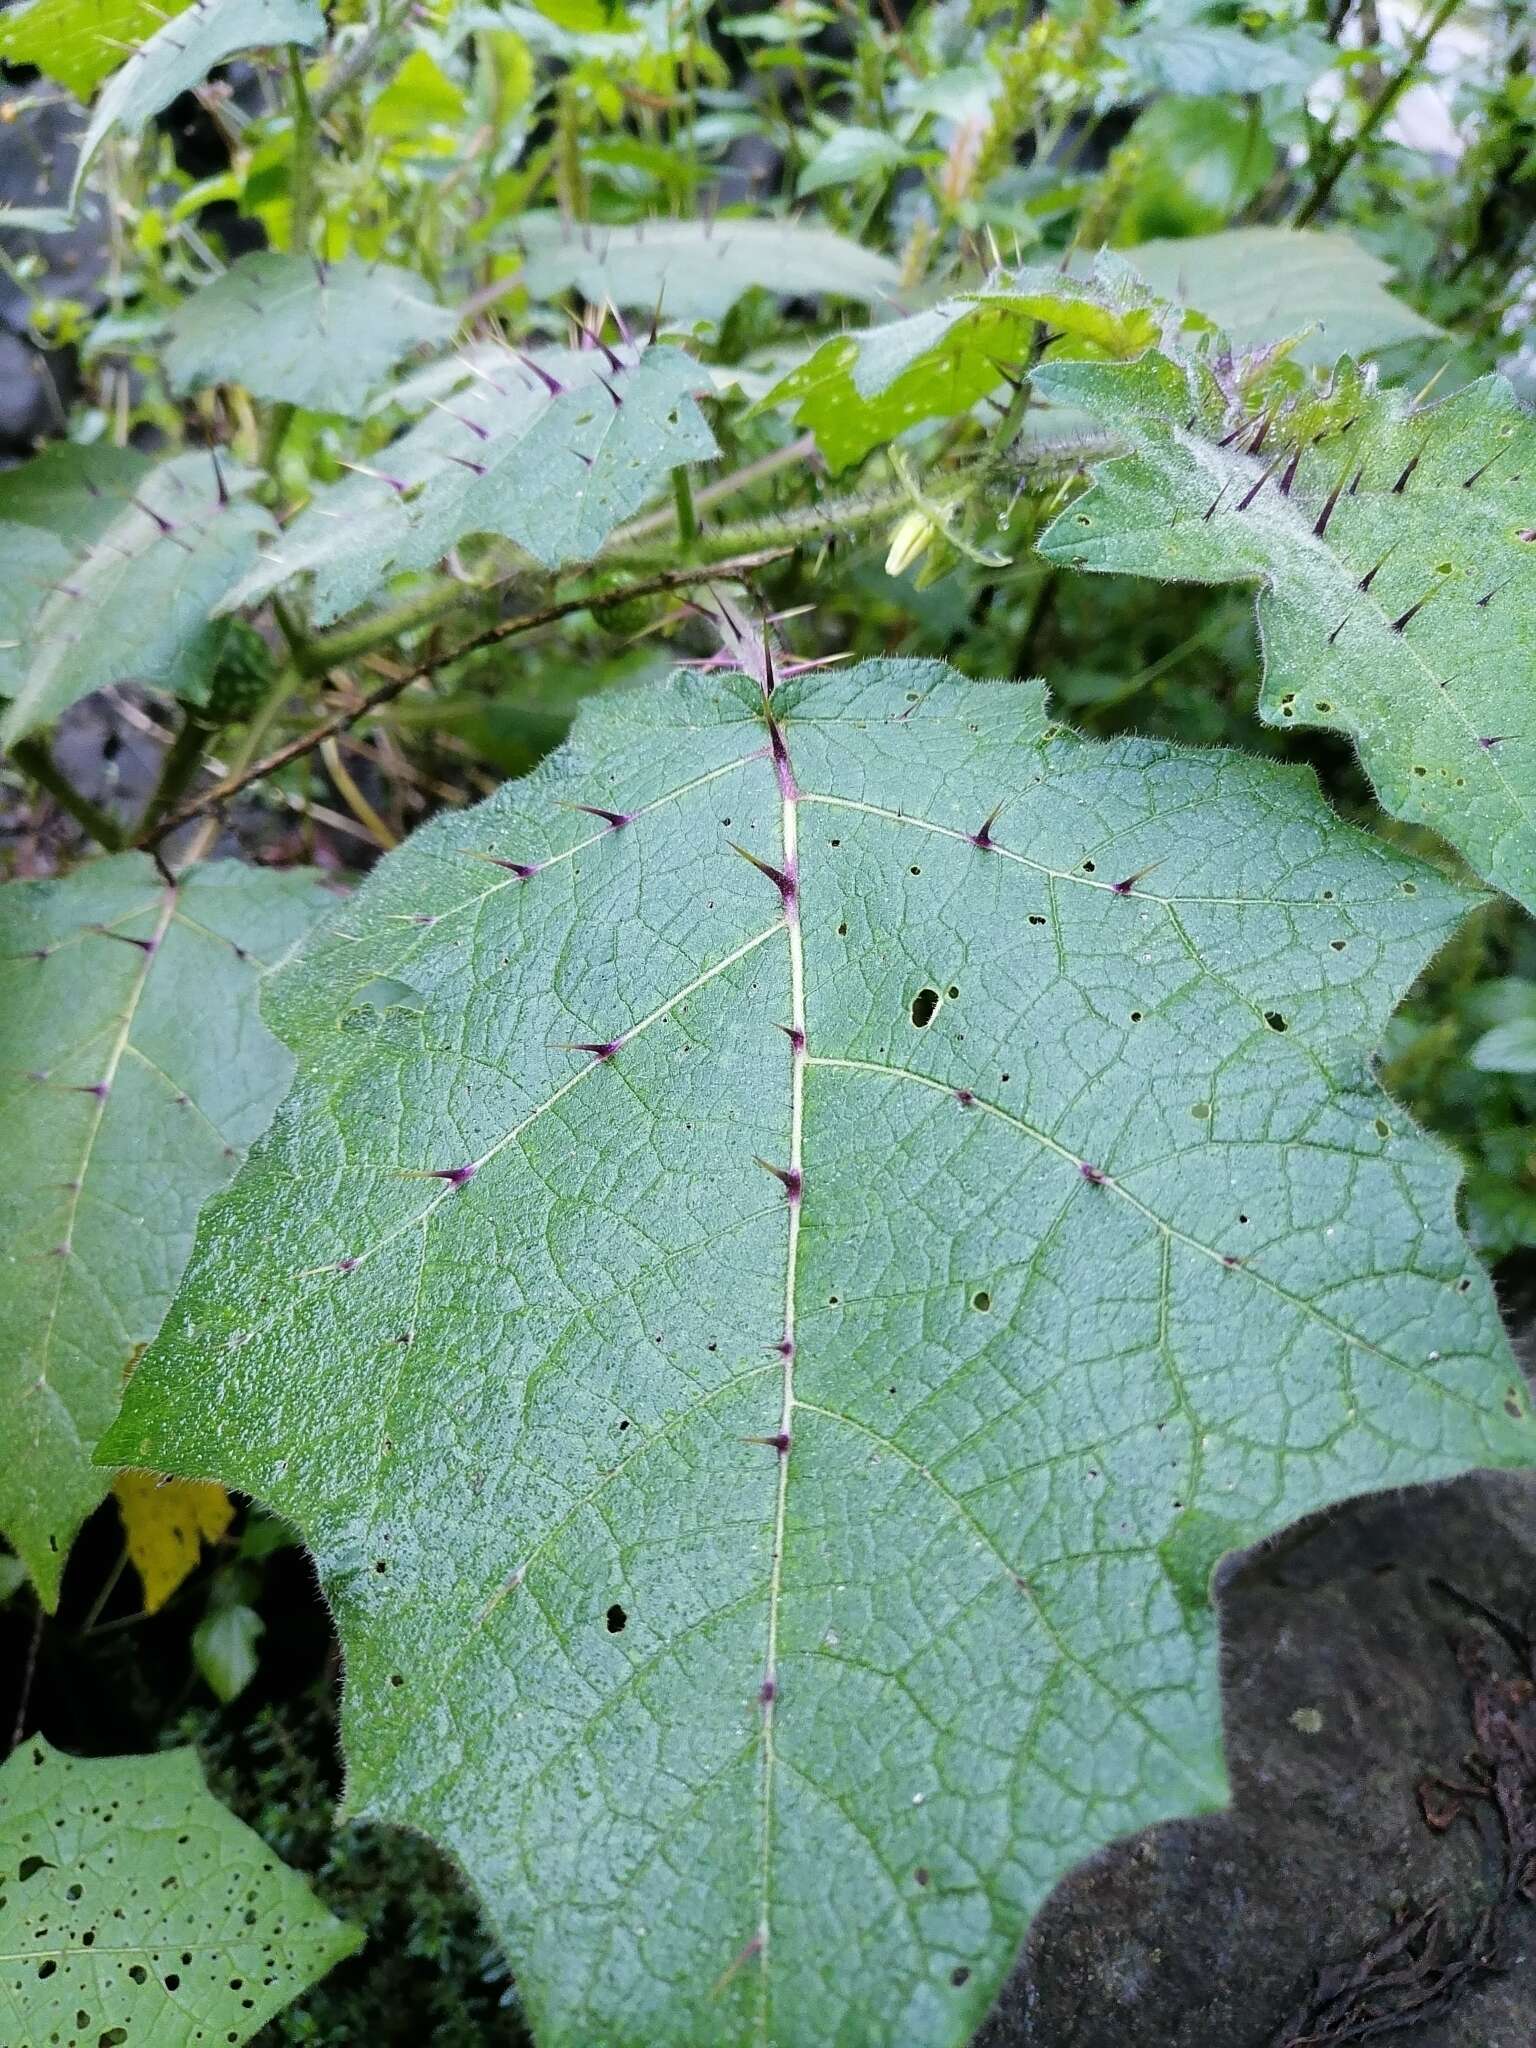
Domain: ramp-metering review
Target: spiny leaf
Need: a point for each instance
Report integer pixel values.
(180, 55)
(135, 1071)
(767, 1351)
(71, 489)
(697, 270)
(1398, 566)
(1262, 284)
(551, 454)
(317, 335)
(154, 549)
(860, 390)
(79, 41)
(129, 1894)
(166, 1522)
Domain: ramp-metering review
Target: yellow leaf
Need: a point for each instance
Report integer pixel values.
(166, 1522)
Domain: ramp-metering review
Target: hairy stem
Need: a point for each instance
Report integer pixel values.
(251, 770)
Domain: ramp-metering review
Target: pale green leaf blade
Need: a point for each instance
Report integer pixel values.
(181, 53)
(132, 1896)
(31, 563)
(695, 269)
(768, 1600)
(1262, 284)
(102, 1189)
(300, 333)
(554, 471)
(154, 551)
(848, 156)
(70, 490)
(1397, 573)
(1202, 59)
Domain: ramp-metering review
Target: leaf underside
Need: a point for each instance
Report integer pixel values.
(110, 981)
(1398, 570)
(1261, 284)
(180, 55)
(554, 471)
(128, 1894)
(79, 41)
(697, 270)
(301, 333)
(765, 1692)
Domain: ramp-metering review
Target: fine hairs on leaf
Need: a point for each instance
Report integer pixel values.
(856, 1199)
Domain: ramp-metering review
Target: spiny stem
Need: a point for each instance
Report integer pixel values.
(183, 758)
(31, 755)
(446, 593)
(527, 622)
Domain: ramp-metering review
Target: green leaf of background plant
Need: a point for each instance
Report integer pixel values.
(1398, 574)
(133, 1896)
(697, 270)
(860, 390)
(1507, 1049)
(154, 550)
(181, 53)
(301, 333)
(111, 981)
(554, 472)
(79, 41)
(1206, 58)
(849, 155)
(1261, 284)
(767, 1600)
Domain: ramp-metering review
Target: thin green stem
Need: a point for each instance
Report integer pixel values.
(31, 755)
(1342, 157)
(682, 498)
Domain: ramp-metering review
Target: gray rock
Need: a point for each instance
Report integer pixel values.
(1343, 1690)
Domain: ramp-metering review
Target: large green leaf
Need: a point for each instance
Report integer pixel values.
(34, 563)
(134, 1908)
(859, 390)
(1395, 551)
(152, 550)
(79, 41)
(318, 335)
(767, 1582)
(1263, 284)
(551, 456)
(135, 1071)
(697, 270)
(181, 53)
